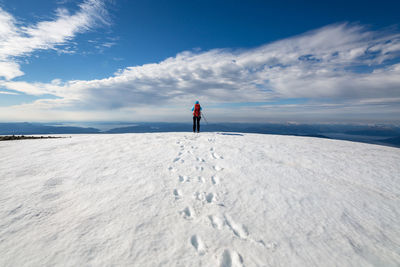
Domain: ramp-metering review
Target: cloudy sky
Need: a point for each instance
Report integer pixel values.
(245, 61)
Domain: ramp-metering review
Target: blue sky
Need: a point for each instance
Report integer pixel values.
(246, 61)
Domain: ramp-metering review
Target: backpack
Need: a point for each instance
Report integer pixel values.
(196, 111)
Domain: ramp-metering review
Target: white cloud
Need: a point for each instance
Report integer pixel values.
(17, 41)
(8, 93)
(322, 66)
(10, 70)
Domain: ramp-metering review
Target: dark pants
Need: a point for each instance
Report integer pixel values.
(196, 120)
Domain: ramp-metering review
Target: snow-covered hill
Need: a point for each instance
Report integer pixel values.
(180, 199)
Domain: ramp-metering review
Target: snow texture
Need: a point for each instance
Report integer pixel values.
(180, 199)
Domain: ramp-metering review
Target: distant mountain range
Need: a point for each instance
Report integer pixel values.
(39, 128)
(383, 135)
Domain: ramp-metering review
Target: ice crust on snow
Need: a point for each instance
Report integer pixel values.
(180, 199)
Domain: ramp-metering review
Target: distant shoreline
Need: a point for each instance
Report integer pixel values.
(387, 135)
(23, 137)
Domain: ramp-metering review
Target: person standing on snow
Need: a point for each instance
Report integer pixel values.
(196, 116)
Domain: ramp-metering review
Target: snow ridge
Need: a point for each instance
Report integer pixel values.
(183, 199)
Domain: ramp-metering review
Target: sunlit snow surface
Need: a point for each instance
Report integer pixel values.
(183, 199)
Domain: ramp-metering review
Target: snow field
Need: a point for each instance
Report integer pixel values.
(209, 199)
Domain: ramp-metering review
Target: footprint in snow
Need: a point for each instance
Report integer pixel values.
(216, 156)
(218, 168)
(215, 179)
(199, 168)
(183, 178)
(187, 213)
(210, 197)
(238, 229)
(204, 197)
(171, 169)
(198, 244)
(270, 245)
(179, 159)
(231, 259)
(216, 222)
(200, 160)
(201, 179)
(200, 196)
(177, 193)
